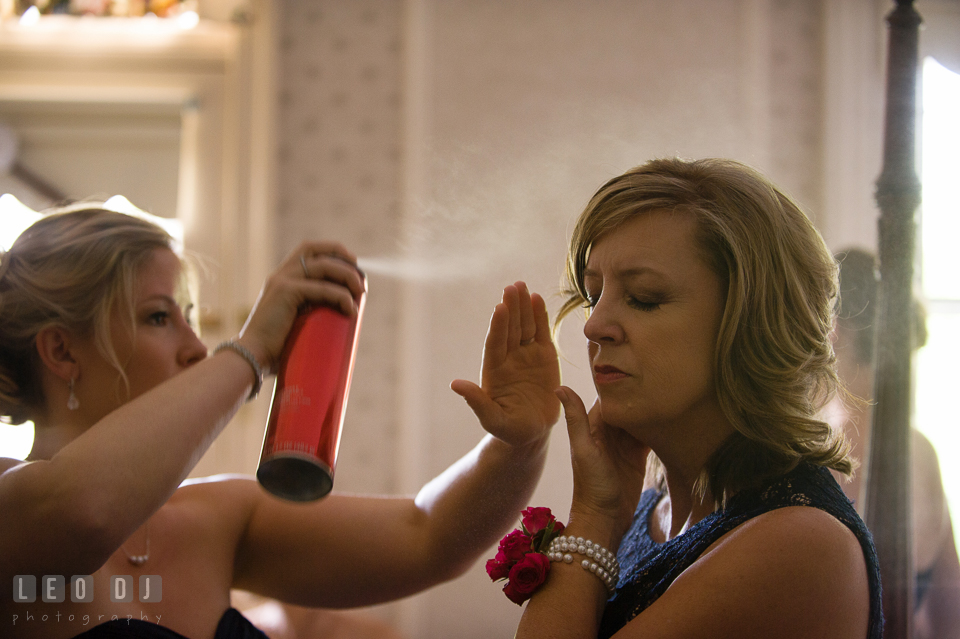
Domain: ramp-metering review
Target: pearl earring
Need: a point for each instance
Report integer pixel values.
(72, 402)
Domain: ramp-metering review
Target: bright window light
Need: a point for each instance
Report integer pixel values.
(14, 218)
(940, 232)
(30, 17)
(188, 20)
(15, 441)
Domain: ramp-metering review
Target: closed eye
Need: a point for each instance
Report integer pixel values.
(642, 305)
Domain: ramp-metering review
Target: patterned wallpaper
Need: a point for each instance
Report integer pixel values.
(339, 174)
(796, 100)
(511, 147)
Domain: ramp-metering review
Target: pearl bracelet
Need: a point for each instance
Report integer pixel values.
(245, 353)
(600, 561)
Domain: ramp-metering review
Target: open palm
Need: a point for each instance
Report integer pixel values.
(516, 400)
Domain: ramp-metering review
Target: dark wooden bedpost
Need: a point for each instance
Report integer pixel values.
(898, 195)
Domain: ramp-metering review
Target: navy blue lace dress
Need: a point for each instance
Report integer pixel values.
(647, 568)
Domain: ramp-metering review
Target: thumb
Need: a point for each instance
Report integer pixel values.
(575, 413)
(482, 406)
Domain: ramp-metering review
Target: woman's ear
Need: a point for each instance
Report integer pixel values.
(54, 346)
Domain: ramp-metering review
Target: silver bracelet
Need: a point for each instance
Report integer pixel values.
(599, 561)
(245, 353)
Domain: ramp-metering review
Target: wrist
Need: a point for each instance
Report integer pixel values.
(601, 529)
(534, 449)
(260, 354)
(244, 353)
(592, 557)
(524, 557)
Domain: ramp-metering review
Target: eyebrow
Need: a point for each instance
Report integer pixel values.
(627, 272)
(163, 298)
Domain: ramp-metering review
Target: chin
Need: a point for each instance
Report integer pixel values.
(617, 415)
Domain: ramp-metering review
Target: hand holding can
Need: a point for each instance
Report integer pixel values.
(309, 402)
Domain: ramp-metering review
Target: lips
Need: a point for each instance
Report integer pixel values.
(604, 374)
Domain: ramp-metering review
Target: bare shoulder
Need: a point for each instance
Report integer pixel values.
(8, 463)
(11, 475)
(923, 450)
(926, 465)
(797, 538)
(791, 572)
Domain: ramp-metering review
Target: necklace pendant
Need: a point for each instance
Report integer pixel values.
(138, 560)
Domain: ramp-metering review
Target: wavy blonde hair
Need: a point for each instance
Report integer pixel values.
(70, 269)
(774, 363)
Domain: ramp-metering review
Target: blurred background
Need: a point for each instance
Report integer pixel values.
(451, 144)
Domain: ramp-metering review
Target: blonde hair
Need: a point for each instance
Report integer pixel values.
(774, 363)
(70, 269)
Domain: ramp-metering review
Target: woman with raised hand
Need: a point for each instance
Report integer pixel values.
(96, 348)
(703, 504)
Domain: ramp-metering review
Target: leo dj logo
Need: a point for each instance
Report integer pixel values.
(53, 588)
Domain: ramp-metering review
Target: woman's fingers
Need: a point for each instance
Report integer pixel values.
(518, 320)
(527, 315)
(326, 293)
(495, 345)
(332, 268)
(575, 414)
(528, 324)
(541, 319)
(511, 301)
(311, 249)
(316, 273)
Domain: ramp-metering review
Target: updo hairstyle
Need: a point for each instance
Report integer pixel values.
(71, 269)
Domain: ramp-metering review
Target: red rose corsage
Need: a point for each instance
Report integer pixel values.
(521, 557)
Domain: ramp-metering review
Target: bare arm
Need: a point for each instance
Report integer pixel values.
(349, 551)
(940, 611)
(74, 510)
(938, 614)
(68, 514)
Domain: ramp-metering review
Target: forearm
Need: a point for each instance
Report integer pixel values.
(346, 551)
(101, 486)
(477, 499)
(571, 602)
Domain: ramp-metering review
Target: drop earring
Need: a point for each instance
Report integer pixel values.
(72, 402)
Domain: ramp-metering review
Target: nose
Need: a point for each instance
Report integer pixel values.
(603, 325)
(192, 350)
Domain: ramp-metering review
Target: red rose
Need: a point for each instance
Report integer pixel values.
(526, 576)
(514, 546)
(536, 519)
(498, 569)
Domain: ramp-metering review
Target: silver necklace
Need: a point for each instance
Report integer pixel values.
(139, 560)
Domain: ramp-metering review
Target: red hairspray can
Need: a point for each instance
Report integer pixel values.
(309, 401)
